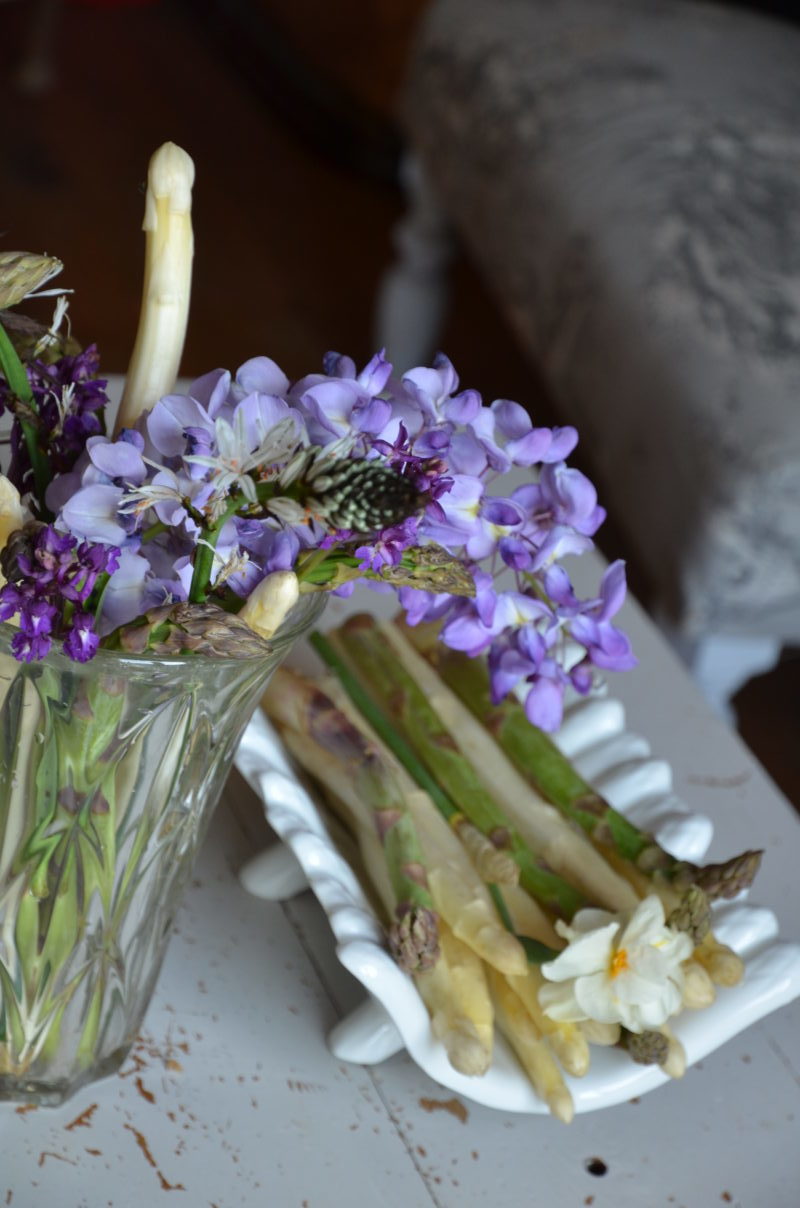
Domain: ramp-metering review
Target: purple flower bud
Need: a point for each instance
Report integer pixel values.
(36, 618)
(544, 704)
(27, 648)
(515, 552)
(11, 601)
(336, 365)
(81, 642)
(375, 374)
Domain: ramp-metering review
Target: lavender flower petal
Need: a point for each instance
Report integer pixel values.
(544, 704)
(119, 461)
(211, 390)
(260, 375)
(124, 596)
(93, 513)
(169, 419)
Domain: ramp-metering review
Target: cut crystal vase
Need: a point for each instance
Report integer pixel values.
(109, 774)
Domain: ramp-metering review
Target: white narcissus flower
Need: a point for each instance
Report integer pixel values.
(266, 607)
(617, 968)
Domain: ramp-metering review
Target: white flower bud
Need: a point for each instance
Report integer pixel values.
(267, 606)
(11, 516)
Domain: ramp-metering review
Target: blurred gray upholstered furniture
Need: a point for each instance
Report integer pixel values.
(626, 176)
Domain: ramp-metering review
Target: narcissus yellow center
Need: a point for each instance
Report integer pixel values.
(619, 962)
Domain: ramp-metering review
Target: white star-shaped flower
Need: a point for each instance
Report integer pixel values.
(617, 968)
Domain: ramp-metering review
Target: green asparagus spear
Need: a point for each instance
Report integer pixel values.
(358, 656)
(311, 713)
(539, 760)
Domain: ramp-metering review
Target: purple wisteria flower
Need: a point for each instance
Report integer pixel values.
(260, 472)
(69, 399)
(388, 549)
(50, 578)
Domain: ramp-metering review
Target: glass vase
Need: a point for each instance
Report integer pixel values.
(109, 774)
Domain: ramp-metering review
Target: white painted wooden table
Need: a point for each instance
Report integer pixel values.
(233, 1100)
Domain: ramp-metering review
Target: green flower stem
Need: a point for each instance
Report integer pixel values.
(204, 557)
(154, 530)
(333, 570)
(71, 849)
(390, 690)
(14, 372)
(310, 563)
(87, 1046)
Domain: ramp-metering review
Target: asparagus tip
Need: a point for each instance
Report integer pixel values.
(465, 1050)
(692, 914)
(561, 1104)
(170, 177)
(414, 938)
(728, 879)
(646, 1048)
(724, 966)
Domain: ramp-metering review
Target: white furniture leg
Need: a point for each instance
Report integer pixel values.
(722, 663)
(413, 295)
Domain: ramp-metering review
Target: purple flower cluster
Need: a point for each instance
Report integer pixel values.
(221, 465)
(53, 579)
(227, 437)
(69, 400)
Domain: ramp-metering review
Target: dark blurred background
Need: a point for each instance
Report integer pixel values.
(288, 110)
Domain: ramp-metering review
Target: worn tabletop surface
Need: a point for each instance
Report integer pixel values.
(231, 1098)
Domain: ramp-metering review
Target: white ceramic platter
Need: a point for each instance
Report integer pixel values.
(620, 765)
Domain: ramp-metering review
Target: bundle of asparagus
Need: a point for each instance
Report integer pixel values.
(497, 866)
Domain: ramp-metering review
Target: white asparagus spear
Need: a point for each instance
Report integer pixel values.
(595, 1032)
(459, 895)
(724, 966)
(568, 853)
(531, 1049)
(529, 918)
(674, 1063)
(11, 516)
(567, 1040)
(456, 993)
(169, 248)
(698, 987)
(455, 989)
(458, 891)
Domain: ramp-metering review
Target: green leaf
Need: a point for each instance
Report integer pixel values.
(13, 370)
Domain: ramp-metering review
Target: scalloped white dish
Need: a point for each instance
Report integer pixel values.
(393, 1016)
